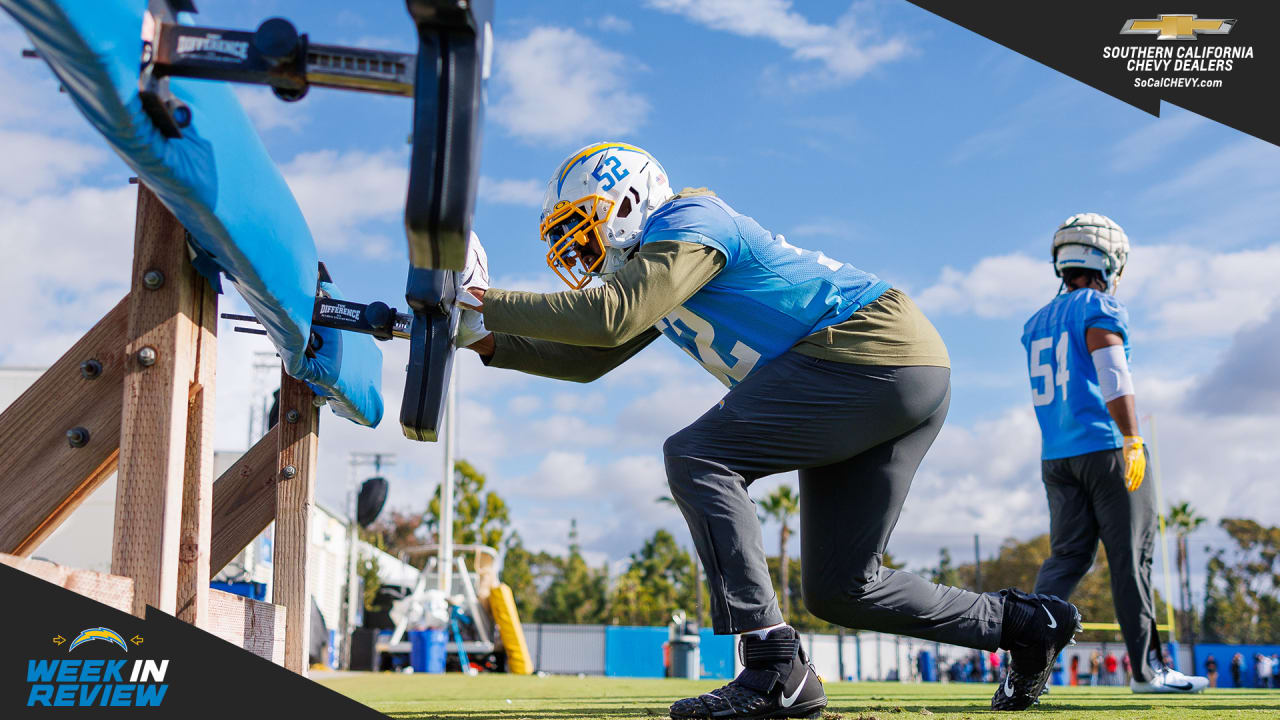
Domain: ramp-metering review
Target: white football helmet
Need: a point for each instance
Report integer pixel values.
(1092, 241)
(596, 204)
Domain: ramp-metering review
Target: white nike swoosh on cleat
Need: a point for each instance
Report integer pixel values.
(1052, 622)
(787, 701)
(1008, 687)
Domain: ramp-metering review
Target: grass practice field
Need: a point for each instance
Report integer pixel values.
(594, 698)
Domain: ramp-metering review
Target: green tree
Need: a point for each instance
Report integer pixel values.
(1242, 585)
(701, 611)
(397, 530)
(781, 505)
(1016, 564)
(659, 580)
(799, 617)
(479, 517)
(945, 573)
(527, 574)
(1184, 521)
(576, 593)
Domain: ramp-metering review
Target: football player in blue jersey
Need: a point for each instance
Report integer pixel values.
(1093, 460)
(830, 371)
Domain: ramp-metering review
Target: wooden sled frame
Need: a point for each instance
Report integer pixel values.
(134, 396)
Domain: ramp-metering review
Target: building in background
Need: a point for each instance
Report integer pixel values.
(84, 540)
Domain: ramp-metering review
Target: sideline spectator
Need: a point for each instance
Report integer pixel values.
(1112, 667)
(1074, 678)
(1262, 670)
(1211, 670)
(1237, 669)
(1275, 670)
(1095, 665)
(1128, 668)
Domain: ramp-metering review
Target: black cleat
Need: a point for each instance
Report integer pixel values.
(1037, 628)
(776, 681)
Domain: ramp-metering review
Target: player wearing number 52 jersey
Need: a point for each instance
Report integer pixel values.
(1093, 460)
(830, 371)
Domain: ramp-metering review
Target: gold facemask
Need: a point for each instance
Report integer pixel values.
(574, 232)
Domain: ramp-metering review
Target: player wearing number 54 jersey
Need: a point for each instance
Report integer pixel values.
(1094, 463)
(830, 371)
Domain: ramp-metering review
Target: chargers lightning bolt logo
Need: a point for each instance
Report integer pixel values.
(98, 633)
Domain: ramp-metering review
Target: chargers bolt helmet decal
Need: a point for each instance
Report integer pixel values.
(596, 204)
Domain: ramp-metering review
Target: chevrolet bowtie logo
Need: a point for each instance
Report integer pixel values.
(1177, 27)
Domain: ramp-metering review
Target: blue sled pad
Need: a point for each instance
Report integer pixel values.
(219, 182)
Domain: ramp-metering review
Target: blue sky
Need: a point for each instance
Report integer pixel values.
(877, 133)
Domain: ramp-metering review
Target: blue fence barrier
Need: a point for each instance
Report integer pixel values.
(718, 652)
(634, 651)
(639, 652)
(1223, 654)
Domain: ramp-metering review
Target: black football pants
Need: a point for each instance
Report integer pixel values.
(1088, 502)
(856, 434)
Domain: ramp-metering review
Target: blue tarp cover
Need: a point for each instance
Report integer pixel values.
(217, 180)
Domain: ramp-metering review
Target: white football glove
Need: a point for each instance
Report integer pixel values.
(475, 274)
(471, 328)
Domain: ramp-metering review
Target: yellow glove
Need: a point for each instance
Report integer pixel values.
(1135, 462)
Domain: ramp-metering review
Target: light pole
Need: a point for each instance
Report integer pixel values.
(444, 561)
(357, 460)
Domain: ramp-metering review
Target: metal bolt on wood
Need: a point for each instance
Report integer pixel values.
(147, 356)
(290, 472)
(153, 279)
(292, 417)
(78, 437)
(90, 369)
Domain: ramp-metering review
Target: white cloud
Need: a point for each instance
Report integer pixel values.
(558, 85)
(1183, 288)
(672, 403)
(1197, 292)
(35, 163)
(1246, 380)
(269, 112)
(996, 286)
(339, 192)
(613, 23)
(524, 404)
(846, 50)
(507, 191)
(562, 474)
(568, 402)
(55, 290)
(982, 479)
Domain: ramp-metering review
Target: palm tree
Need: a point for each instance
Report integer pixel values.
(1184, 520)
(782, 504)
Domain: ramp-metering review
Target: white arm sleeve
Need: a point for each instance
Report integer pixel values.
(1114, 379)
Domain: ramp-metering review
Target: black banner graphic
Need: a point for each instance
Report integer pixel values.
(1218, 59)
(67, 656)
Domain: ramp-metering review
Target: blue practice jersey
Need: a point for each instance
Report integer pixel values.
(1064, 384)
(769, 295)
